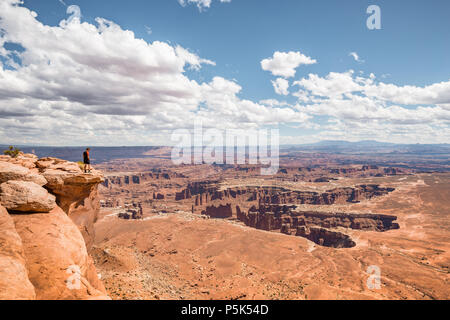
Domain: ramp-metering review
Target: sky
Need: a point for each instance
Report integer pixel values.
(78, 72)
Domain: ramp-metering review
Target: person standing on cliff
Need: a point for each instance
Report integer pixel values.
(87, 161)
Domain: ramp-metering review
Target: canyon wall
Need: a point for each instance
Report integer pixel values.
(274, 216)
(315, 225)
(220, 212)
(47, 210)
(138, 178)
(279, 196)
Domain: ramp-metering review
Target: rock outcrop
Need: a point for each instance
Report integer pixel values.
(314, 225)
(272, 217)
(220, 212)
(277, 195)
(23, 160)
(326, 238)
(14, 281)
(57, 260)
(132, 212)
(76, 192)
(183, 195)
(24, 196)
(138, 178)
(46, 232)
(10, 171)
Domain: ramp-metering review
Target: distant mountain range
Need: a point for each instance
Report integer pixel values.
(365, 143)
(371, 146)
(328, 143)
(101, 154)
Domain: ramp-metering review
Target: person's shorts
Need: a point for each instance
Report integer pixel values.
(87, 162)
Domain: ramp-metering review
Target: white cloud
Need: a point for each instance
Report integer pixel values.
(192, 59)
(221, 97)
(273, 103)
(82, 83)
(201, 4)
(356, 57)
(437, 93)
(364, 108)
(334, 84)
(285, 64)
(281, 86)
(337, 84)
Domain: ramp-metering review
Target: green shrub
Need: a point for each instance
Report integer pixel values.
(13, 152)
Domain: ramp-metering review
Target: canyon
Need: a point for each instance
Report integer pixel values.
(145, 228)
(311, 231)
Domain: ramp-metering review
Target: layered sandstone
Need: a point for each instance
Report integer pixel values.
(14, 281)
(315, 225)
(138, 178)
(43, 254)
(277, 195)
(76, 193)
(325, 237)
(57, 260)
(273, 216)
(10, 171)
(24, 196)
(220, 212)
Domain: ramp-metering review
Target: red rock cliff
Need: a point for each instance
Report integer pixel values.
(47, 211)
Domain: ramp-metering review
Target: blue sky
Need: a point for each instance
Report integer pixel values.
(413, 46)
(410, 51)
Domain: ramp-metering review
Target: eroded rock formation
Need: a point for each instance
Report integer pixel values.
(325, 237)
(10, 171)
(25, 196)
(43, 254)
(57, 260)
(14, 281)
(314, 225)
(76, 192)
(220, 212)
(132, 212)
(138, 178)
(279, 196)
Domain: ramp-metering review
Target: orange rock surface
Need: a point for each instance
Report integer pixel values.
(43, 254)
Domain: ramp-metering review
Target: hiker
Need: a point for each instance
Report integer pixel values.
(87, 161)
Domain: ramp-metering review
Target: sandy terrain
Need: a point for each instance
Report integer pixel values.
(180, 255)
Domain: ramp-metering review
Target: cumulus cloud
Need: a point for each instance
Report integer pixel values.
(337, 84)
(363, 108)
(83, 83)
(201, 4)
(334, 84)
(281, 86)
(96, 83)
(284, 64)
(273, 102)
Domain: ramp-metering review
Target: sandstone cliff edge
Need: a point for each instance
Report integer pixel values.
(48, 208)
